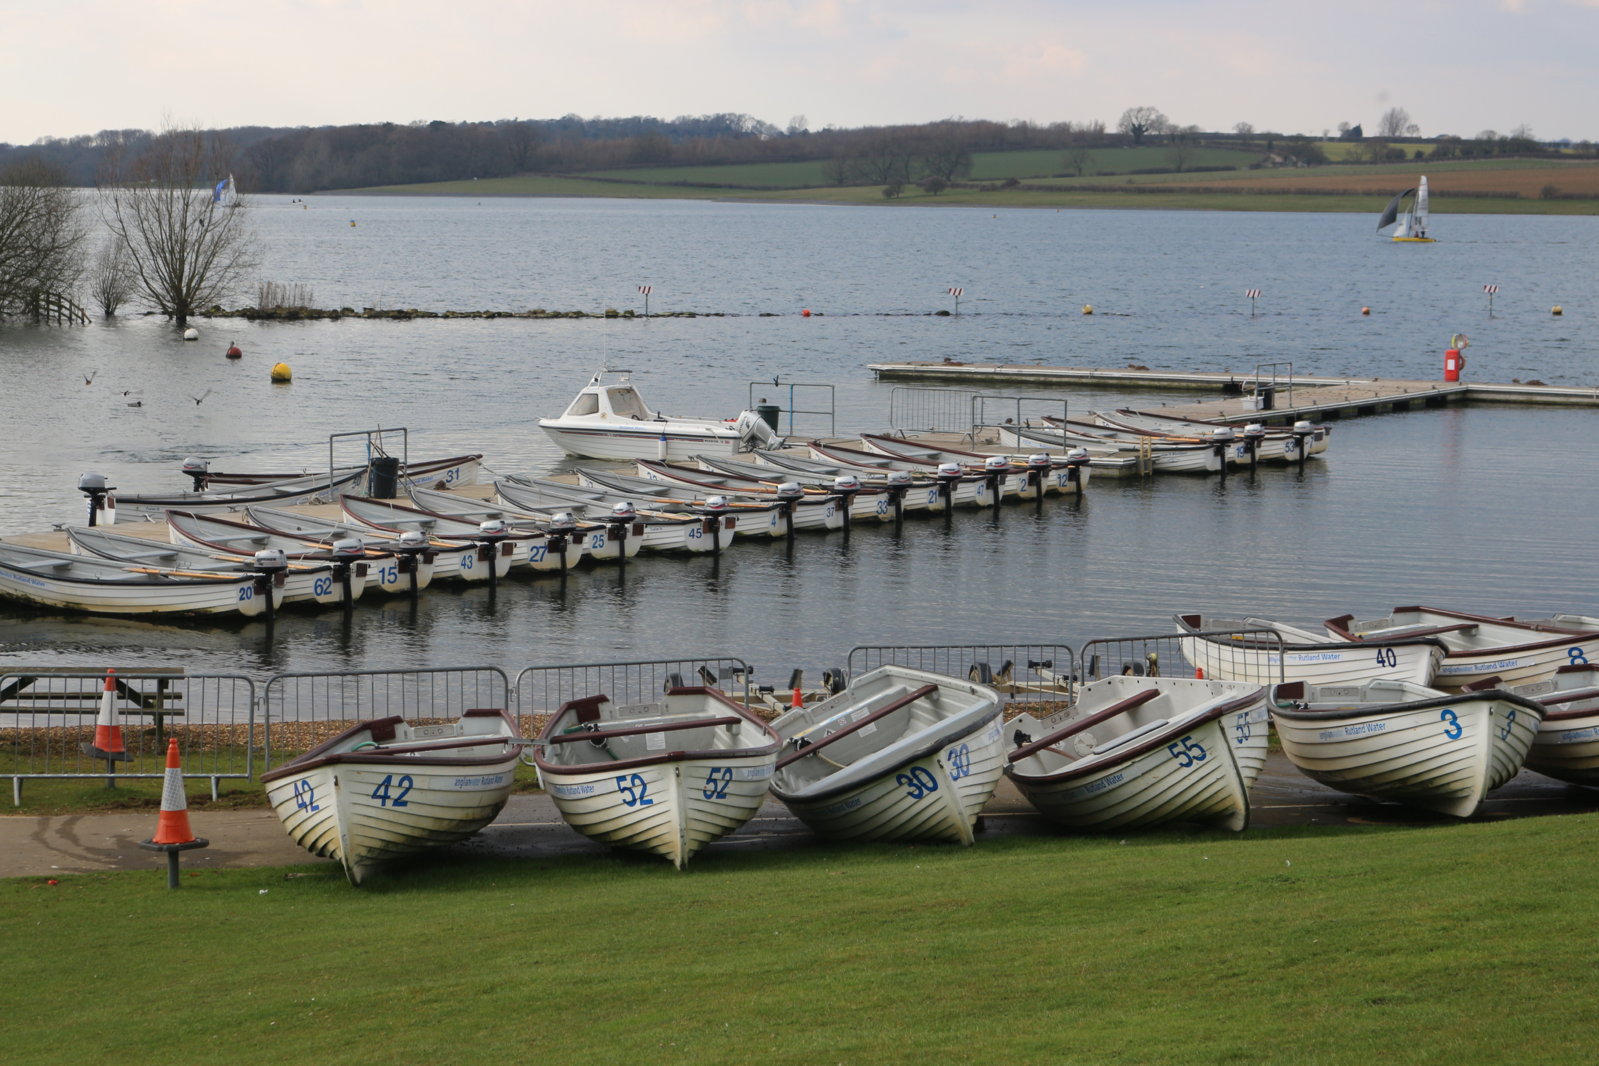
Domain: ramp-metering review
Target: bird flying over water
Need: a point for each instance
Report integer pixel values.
(200, 397)
(88, 379)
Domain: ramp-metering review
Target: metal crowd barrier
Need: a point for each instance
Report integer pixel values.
(1031, 677)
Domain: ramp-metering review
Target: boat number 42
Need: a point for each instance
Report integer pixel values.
(385, 792)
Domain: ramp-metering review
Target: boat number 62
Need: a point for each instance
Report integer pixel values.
(1187, 751)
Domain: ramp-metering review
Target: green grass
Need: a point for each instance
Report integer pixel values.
(1438, 945)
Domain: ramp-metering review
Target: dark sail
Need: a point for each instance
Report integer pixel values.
(1392, 214)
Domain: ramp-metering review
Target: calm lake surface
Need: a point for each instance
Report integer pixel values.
(1485, 509)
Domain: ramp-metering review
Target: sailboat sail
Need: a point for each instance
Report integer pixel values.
(1411, 217)
(1391, 214)
(225, 193)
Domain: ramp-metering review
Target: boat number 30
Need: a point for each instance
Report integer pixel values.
(918, 782)
(960, 761)
(386, 796)
(1187, 751)
(716, 782)
(634, 790)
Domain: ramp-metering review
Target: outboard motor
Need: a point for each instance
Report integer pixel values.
(272, 568)
(491, 533)
(847, 487)
(349, 562)
(713, 516)
(1254, 434)
(1039, 467)
(1076, 463)
(789, 494)
(623, 521)
(995, 467)
(562, 527)
(1221, 441)
(948, 475)
(412, 549)
(199, 470)
(94, 487)
(1303, 432)
(899, 483)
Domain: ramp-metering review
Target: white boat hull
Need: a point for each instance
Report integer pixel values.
(1324, 662)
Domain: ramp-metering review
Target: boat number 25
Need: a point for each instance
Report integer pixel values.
(1187, 751)
(917, 783)
(386, 797)
(634, 790)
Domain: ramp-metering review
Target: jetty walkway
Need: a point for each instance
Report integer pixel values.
(1248, 398)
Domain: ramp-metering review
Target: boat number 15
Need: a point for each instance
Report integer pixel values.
(1187, 752)
(386, 797)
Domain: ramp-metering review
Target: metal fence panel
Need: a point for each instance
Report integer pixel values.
(540, 690)
(1031, 677)
(48, 717)
(302, 710)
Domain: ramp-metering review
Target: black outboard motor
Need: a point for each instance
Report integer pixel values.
(1221, 442)
(561, 529)
(199, 470)
(846, 487)
(713, 516)
(272, 569)
(491, 536)
(1039, 467)
(1303, 432)
(900, 482)
(411, 552)
(1076, 460)
(349, 563)
(94, 487)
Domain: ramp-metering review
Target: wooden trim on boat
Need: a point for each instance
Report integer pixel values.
(812, 747)
(1137, 699)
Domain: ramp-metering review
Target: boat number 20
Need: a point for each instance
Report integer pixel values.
(918, 782)
(634, 790)
(1187, 751)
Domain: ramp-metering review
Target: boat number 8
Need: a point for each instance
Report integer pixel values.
(1387, 657)
(382, 792)
(634, 790)
(960, 761)
(918, 783)
(716, 782)
(1452, 727)
(1187, 752)
(1576, 656)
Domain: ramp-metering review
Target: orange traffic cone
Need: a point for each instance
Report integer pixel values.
(172, 826)
(1199, 672)
(799, 699)
(107, 727)
(172, 833)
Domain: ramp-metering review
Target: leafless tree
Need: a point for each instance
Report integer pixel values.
(946, 153)
(1393, 123)
(1140, 122)
(1182, 143)
(1244, 130)
(1079, 160)
(41, 232)
(186, 250)
(110, 280)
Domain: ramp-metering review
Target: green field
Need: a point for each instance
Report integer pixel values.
(1440, 944)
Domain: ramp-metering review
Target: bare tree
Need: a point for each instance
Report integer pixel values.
(40, 234)
(110, 281)
(1079, 160)
(186, 249)
(1139, 122)
(1244, 130)
(1393, 123)
(946, 153)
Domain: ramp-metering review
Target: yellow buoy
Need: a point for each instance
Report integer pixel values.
(1088, 309)
(282, 373)
(1557, 310)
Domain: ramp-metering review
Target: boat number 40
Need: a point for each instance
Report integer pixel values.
(1187, 751)
(1387, 657)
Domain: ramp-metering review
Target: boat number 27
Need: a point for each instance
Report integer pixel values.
(1187, 751)
(386, 796)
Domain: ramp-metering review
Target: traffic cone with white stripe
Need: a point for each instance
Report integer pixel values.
(172, 833)
(108, 726)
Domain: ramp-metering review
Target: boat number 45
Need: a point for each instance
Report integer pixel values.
(1187, 751)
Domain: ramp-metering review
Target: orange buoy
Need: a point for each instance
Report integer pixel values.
(233, 351)
(805, 313)
(1365, 310)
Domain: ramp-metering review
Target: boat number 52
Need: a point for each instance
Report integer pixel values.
(634, 790)
(1187, 751)
(716, 782)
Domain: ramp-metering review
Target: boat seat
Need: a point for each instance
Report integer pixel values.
(1116, 742)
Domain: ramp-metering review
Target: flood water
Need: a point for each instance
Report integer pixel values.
(1487, 509)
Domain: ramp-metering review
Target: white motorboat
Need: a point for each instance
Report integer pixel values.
(87, 583)
(1236, 650)
(666, 777)
(1399, 741)
(1480, 647)
(899, 754)
(387, 788)
(610, 420)
(1136, 752)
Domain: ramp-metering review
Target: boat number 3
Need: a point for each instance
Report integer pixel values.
(1187, 751)
(1575, 655)
(960, 761)
(387, 798)
(1387, 657)
(918, 783)
(634, 790)
(1510, 720)
(305, 797)
(716, 782)
(1452, 727)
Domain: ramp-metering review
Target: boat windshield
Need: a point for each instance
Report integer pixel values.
(626, 403)
(587, 403)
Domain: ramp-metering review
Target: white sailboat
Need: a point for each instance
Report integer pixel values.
(225, 193)
(1411, 217)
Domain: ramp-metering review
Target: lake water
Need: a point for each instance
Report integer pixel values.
(1486, 509)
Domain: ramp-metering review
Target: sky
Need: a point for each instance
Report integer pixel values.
(73, 67)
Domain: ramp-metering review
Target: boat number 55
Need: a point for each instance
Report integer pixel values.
(1187, 751)
(918, 783)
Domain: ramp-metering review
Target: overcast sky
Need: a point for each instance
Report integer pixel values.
(70, 67)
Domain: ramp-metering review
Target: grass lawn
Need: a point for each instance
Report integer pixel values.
(1452, 944)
